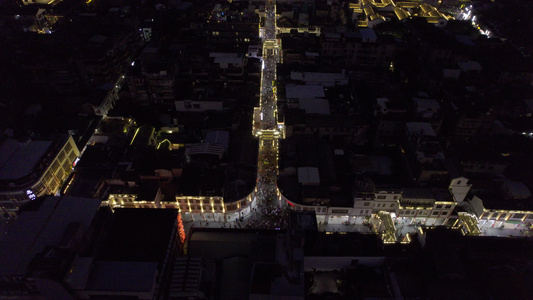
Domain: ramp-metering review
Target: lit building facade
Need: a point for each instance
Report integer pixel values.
(192, 208)
(417, 205)
(33, 168)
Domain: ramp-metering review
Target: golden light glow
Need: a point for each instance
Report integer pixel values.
(136, 131)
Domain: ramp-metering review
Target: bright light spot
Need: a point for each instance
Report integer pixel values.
(31, 195)
(133, 63)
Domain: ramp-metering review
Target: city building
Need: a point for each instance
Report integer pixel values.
(75, 248)
(39, 247)
(124, 266)
(32, 168)
(360, 48)
(243, 264)
(233, 26)
(391, 115)
(152, 80)
(423, 152)
(74, 57)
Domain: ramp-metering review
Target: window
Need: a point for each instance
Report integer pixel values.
(448, 206)
(55, 166)
(439, 206)
(435, 213)
(381, 197)
(366, 204)
(47, 176)
(60, 174)
(66, 167)
(392, 205)
(61, 156)
(68, 146)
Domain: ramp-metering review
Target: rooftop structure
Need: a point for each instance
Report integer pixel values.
(33, 168)
(323, 79)
(419, 129)
(18, 159)
(304, 91)
(44, 225)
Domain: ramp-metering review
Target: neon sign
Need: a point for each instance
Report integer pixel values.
(181, 229)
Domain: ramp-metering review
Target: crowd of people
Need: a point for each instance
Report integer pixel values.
(268, 167)
(268, 99)
(270, 9)
(267, 218)
(267, 213)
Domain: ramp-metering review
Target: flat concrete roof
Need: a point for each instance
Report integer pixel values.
(18, 159)
(308, 175)
(122, 276)
(304, 91)
(218, 137)
(324, 79)
(34, 230)
(315, 106)
(421, 128)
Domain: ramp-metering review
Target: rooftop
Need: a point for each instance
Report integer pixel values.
(44, 226)
(324, 79)
(304, 91)
(18, 159)
(420, 128)
(210, 243)
(315, 106)
(129, 236)
(122, 276)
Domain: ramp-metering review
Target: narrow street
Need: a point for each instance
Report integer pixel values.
(267, 210)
